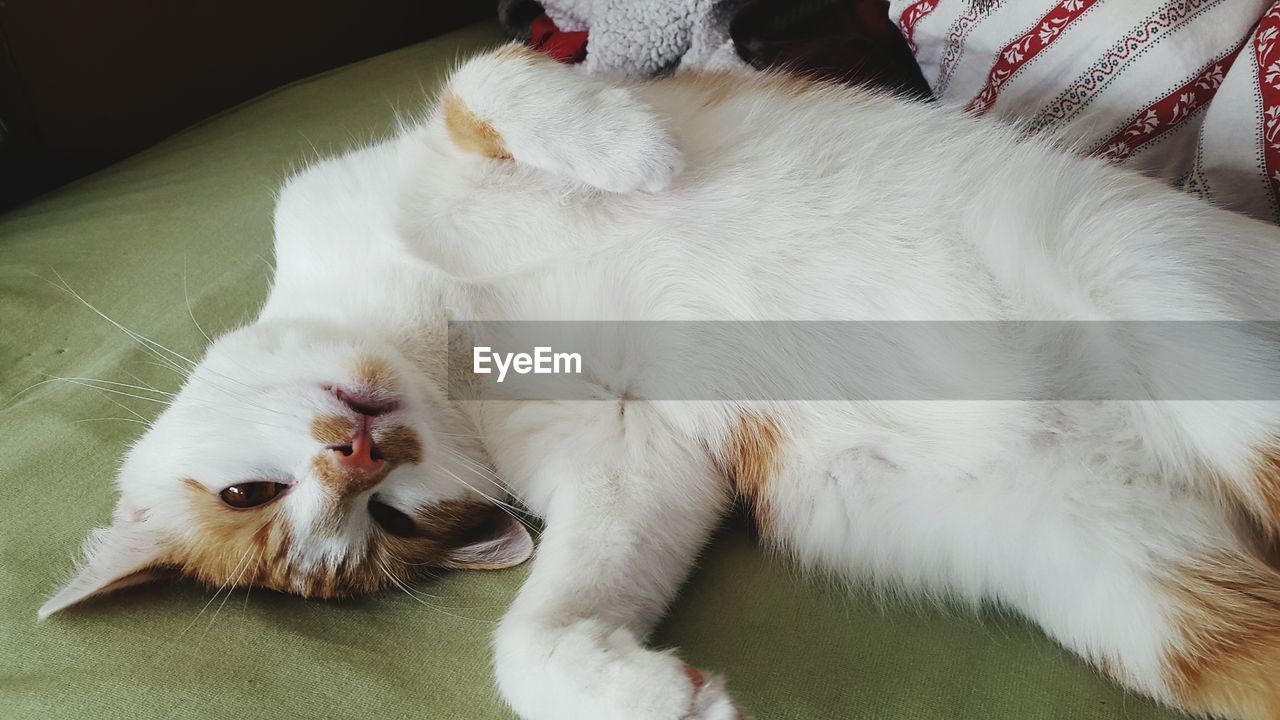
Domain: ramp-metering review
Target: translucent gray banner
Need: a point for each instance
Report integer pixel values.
(850, 361)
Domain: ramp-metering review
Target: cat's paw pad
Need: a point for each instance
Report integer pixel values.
(711, 699)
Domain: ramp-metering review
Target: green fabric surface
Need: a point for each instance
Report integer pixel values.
(182, 233)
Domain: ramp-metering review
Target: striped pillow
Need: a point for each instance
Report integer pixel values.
(1185, 90)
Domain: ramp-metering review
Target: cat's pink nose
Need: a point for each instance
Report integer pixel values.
(361, 454)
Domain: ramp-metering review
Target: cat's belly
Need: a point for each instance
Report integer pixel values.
(879, 510)
(967, 502)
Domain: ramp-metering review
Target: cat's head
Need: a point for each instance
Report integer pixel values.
(298, 459)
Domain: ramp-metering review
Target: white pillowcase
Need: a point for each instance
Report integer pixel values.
(1185, 90)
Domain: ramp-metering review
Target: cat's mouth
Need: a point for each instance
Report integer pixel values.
(363, 401)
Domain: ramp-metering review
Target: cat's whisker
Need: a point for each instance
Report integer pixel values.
(462, 436)
(148, 385)
(409, 591)
(247, 590)
(424, 593)
(481, 469)
(248, 401)
(107, 392)
(186, 296)
(490, 477)
(228, 378)
(145, 342)
(224, 390)
(472, 462)
(511, 510)
(503, 504)
(146, 345)
(112, 389)
(194, 620)
(117, 392)
(230, 590)
(246, 396)
(483, 472)
(209, 406)
(128, 409)
(141, 388)
(406, 563)
(122, 419)
(184, 374)
(74, 380)
(161, 352)
(158, 346)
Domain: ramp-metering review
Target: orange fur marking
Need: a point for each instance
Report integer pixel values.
(332, 429)
(235, 547)
(344, 483)
(1228, 660)
(399, 445)
(793, 84)
(375, 375)
(1105, 665)
(253, 548)
(750, 461)
(520, 51)
(469, 132)
(1267, 476)
(715, 88)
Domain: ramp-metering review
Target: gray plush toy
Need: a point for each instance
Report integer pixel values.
(646, 37)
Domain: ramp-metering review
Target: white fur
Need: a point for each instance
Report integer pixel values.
(643, 201)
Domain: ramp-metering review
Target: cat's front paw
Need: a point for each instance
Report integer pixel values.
(624, 148)
(586, 671)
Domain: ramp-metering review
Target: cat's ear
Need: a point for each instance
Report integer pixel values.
(508, 544)
(115, 557)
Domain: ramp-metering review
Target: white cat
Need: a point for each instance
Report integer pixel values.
(317, 451)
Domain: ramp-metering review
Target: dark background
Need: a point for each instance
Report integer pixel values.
(84, 83)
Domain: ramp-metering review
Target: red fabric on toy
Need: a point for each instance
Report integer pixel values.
(567, 47)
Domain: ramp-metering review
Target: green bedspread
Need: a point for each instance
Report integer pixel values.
(182, 233)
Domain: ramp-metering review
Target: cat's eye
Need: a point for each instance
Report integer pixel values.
(251, 494)
(391, 519)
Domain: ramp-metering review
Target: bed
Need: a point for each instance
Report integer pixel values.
(175, 243)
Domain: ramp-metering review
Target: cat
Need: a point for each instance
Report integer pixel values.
(320, 451)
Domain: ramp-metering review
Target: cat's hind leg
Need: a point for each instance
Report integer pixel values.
(518, 105)
(1162, 592)
(1159, 585)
